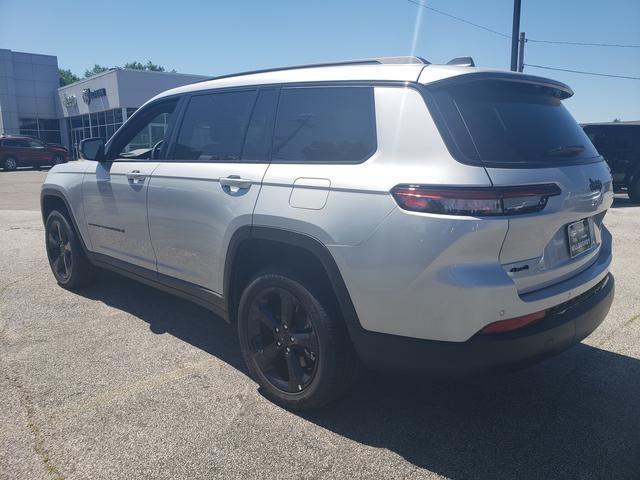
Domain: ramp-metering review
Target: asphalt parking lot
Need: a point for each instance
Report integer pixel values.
(122, 381)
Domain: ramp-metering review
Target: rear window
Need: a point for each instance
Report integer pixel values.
(325, 125)
(496, 122)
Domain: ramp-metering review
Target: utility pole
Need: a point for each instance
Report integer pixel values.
(521, 53)
(515, 33)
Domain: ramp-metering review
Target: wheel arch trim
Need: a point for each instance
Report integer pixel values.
(300, 240)
(49, 191)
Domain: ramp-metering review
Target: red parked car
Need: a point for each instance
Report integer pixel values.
(23, 151)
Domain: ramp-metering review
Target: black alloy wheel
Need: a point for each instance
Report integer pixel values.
(69, 263)
(59, 250)
(282, 340)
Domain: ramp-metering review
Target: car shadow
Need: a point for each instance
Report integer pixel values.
(576, 416)
(622, 201)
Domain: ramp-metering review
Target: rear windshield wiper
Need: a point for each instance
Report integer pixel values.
(568, 151)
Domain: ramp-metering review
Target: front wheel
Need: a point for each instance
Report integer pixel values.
(10, 164)
(300, 356)
(67, 259)
(57, 160)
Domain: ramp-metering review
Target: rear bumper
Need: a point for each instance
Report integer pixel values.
(566, 325)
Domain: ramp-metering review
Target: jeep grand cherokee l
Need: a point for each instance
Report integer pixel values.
(388, 213)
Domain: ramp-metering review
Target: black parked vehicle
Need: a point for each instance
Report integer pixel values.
(619, 144)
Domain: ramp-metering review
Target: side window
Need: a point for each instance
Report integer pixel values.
(214, 126)
(325, 124)
(143, 136)
(260, 132)
(33, 143)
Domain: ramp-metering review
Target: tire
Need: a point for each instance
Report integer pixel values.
(10, 164)
(322, 359)
(57, 160)
(634, 191)
(69, 264)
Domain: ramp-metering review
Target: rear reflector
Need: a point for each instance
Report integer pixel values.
(474, 201)
(511, 324)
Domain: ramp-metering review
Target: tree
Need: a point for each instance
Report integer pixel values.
(149, 66)
(616, 120)
(67, 77)
(95, 70)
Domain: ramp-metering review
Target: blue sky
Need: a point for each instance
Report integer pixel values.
(224, 36)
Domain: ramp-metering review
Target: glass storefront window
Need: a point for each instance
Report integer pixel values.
(102, 124)
(46, 129)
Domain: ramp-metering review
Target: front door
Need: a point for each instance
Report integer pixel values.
(208, 185)
(115, 191)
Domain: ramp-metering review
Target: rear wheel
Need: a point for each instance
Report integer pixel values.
(634, 191)
(67, 259)
(10, 164)
(300, 356)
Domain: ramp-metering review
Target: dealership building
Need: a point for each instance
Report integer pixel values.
(33, 103)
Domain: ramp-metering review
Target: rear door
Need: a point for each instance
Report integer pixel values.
(115, 191)
(523, 135)
(207, 186)
(38, 153)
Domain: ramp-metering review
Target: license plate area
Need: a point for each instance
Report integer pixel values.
(579, 237)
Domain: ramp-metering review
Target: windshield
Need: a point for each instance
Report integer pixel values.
(498, 122)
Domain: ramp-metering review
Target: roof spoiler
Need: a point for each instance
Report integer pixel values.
(462, 62)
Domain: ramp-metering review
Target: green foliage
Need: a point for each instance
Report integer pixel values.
(67, 77)
(95, 70)
(149, 66)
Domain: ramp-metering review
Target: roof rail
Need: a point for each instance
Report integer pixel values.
(402, 60)
(462, 62)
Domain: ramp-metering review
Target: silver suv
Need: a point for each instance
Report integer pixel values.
(388, 213)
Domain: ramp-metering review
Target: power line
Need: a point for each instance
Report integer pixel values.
(459, 19)
(556, 42)
(581, 72)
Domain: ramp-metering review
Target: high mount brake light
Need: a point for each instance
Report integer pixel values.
(474, 201)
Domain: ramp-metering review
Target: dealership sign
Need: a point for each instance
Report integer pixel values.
(88, 94)
(70, 100)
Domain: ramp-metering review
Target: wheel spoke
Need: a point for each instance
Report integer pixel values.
(267, 317)
(66, 257)
(51, 240)
(295, 372)
(56, 264)
(287, 307)
(265, 356)
(305, 340)
(59, 231)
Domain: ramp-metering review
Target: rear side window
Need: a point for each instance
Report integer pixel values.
(325, 125)
(497, 122)
(214, 126)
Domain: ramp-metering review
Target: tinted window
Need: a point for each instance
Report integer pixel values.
(33, 143)
(214, 126)
(259, 134)
(498, 122)
(328, 124)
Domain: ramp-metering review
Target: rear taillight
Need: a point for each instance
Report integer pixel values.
(511, 324)
(474, 201)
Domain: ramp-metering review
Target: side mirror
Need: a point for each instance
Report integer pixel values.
(93, 149)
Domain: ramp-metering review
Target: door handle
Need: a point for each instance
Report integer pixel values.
(236, 182)
(135, 176)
